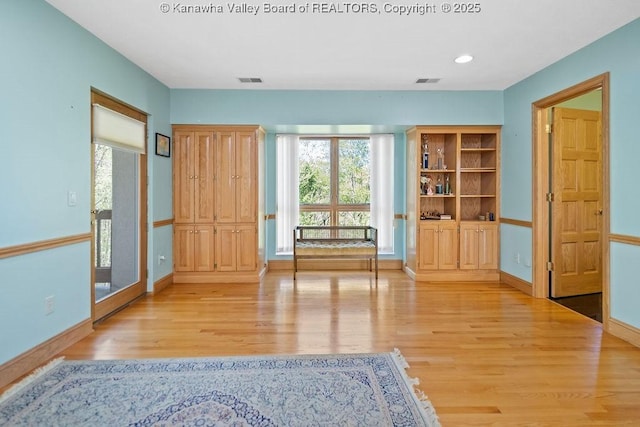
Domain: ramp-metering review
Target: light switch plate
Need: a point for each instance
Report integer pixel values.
(72, 198)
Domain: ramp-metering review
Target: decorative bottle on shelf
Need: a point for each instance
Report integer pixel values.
(425, 155)
(440, 159)
(439, 186)
(447, 185)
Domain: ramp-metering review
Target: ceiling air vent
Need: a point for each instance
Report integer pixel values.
(250, 79)
(427, 80)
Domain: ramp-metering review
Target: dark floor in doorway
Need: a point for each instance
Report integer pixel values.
(588, 305)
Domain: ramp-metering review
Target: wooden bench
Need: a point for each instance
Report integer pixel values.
(335, 242)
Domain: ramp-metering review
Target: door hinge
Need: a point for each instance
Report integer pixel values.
(549, 266)
(548, 128)
(550, 197)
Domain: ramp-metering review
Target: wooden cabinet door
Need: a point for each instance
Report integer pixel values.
(469, 246)
(246, 167)
(226, 177)
(183, 243)
(478, 246)
(448, 247)
(488, 247)
(203, 248)
(226, 247)
(428, 246)
(203, 177)
(247, 248)
(183, 173)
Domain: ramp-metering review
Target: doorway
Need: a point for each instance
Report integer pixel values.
(118, 205)
(571, 222)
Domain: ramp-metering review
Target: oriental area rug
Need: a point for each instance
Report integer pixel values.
(301, 390)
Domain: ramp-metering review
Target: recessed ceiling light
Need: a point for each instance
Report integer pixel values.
(463, 59)
(250, 79)
(427, 80)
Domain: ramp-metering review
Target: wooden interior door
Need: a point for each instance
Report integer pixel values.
(577, 181)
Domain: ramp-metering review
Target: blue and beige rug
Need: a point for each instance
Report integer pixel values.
(303, 390)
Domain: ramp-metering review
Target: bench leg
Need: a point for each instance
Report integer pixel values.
(376, 265)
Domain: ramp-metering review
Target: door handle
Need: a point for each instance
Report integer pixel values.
(599, 212)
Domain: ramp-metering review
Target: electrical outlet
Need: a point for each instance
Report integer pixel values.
(49, 304)
(516, 257)
(161, 259)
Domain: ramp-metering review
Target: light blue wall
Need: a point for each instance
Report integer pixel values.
(272, 108)
(619, 54)
(49, 66)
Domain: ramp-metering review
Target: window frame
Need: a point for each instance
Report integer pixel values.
(334, 207)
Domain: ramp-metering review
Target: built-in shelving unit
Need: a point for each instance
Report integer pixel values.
(453, 184)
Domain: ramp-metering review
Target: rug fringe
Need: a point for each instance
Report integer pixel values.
(38, 372)
(423, 401)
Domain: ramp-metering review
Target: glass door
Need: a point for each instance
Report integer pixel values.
(118, 227)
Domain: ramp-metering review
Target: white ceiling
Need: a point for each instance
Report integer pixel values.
(510, 40)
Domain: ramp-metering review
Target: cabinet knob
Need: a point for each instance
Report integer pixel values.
(195, 177)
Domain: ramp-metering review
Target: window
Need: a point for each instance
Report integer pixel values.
(334, 181)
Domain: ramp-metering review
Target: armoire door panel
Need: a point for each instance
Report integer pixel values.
(247, 245)
(225, 177)
(204, 248)
(183, 173)
(204, 177)
(183, 244)
(226, 248)
(245, 169)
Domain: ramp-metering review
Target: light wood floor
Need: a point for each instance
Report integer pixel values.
(485, 354)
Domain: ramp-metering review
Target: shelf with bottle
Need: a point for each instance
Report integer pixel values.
(441, 186)
(438, 152)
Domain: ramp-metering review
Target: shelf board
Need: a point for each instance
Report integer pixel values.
(477, 195)
(436, 170)
(438, 195)
(478, 150)
(476, 170)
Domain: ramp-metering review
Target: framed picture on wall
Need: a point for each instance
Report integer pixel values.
(163, 145)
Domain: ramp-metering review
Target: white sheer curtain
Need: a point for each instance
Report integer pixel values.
(382, 181)
(287, 204)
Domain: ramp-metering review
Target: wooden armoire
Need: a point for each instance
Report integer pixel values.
(218, 210)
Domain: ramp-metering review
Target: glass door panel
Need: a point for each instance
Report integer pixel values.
(116, 228)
